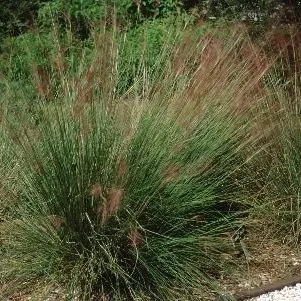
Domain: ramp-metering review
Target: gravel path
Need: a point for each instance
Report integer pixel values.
(288, 293)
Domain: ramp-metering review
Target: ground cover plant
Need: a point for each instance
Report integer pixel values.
(133, 195)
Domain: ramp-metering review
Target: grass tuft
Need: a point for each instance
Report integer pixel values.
(132, 196)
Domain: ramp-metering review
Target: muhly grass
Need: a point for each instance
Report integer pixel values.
(276, 172)
(280, 171)
(132, 196)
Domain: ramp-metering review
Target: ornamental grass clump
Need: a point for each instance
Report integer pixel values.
(280, 163)
(132, 196)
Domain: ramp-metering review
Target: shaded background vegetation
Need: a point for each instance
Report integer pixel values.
(18, 16)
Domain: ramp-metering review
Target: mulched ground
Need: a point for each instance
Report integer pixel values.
(270, 262)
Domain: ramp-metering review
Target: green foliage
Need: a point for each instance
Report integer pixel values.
(148, 46)
(81, 15)
(17, 16)
(23, 57)
(18, 54)
(142, 10)
(237, 9)
(31, 62)
(76, 15)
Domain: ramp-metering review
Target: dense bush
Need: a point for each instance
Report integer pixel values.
(17, 16)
